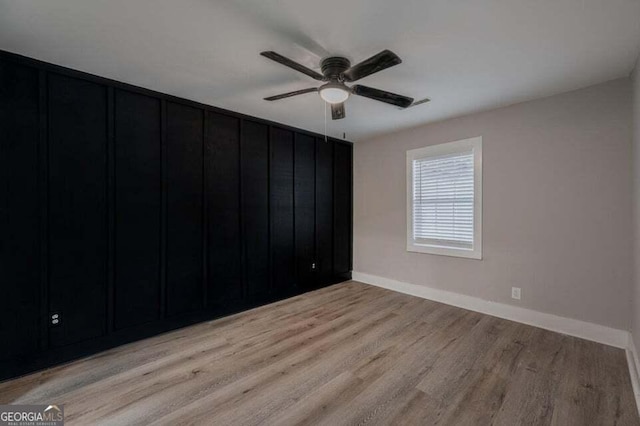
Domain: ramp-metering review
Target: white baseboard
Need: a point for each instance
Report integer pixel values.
(584, 330)
(634, 369)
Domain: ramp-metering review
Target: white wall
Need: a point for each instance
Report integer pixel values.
(557, 211)
(635, 323)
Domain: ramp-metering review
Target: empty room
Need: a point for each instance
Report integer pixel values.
(287, 212)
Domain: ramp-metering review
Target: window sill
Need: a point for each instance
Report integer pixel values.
(445, 251)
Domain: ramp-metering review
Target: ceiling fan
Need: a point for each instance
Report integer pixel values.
(337, 70)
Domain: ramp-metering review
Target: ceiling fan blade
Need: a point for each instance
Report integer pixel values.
(382, 96)
(289, 94)
(379, 62)
(292, 64)
(420, 102)
(337, 111)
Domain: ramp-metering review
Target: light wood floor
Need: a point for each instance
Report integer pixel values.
(347, 354)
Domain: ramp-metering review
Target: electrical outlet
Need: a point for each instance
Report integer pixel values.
(515, 293)
(55, 319)
(313, 266)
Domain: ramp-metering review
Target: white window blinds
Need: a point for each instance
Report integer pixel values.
(443, 200)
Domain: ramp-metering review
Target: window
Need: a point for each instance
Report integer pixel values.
(444, 199)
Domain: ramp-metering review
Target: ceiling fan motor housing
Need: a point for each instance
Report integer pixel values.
(334, 66)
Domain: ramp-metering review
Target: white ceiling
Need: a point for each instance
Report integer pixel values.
(466, 55)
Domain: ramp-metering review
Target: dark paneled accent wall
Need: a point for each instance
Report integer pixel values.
(77, 186)
(342, 208)
(185, 196)
(283, 272)
(254, 187)
(126, 212)
(137, 205)
(324, 210)
(20, 275)
(224, 242)
(305, 208)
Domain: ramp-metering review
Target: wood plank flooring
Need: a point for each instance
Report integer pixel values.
(350, 354)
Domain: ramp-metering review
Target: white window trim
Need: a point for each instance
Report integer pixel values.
(443, 149)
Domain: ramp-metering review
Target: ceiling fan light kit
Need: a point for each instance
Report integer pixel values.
(337, 70)
(334, 93)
